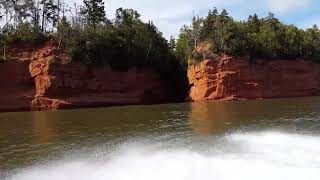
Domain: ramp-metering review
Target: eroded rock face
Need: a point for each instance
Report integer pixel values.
(81, 86)
(43, 78)
(63, 84)
(227, 78)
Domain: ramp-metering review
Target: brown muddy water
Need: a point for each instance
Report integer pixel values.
(249, 140)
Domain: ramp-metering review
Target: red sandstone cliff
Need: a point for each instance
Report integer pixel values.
(228, 78)
(43, 78)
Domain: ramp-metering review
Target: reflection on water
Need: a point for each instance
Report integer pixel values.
(43, 129)
(294, 115)
(206, 120)
(188, 130)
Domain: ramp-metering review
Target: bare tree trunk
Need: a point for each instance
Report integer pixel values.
(7, 22)
(75, 15)
(59, 6)
(7, 14)
(43, 17)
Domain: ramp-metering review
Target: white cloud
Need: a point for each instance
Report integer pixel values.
(285, 6)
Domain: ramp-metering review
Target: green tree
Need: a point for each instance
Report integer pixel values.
(291, 41)
(254, 27)
(254, 24)
(210, 25)
(237, 42)
(311, 48)
(16, 11)
(94, 12)
(64, 32)
(223, 31)
(172, 44)
(259, 38)
(50, 13)
(183, 50)
(195, 30)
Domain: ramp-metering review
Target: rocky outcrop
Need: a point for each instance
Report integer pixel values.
(43, 78)
(230, 78)
(74, 85)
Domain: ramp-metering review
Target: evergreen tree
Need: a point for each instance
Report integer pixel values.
(50, 15)
(311, 48)
(254, 23)
(195, 30)
(210, 25)
(172, 44)
(259, 38)
(183, 49)
(94, 12)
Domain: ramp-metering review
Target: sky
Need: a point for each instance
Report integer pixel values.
(170, 15)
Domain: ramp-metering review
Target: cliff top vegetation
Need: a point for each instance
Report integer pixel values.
(255, 37)
(87, 34)
(90, 37)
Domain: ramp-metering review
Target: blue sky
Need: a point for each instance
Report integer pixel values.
(170, 15)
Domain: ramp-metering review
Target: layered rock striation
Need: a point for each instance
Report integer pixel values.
(231, 78)
(44, 78)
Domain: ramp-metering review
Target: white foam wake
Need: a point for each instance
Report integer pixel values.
(263, 156)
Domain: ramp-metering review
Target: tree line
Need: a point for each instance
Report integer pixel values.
(87, 34)
(266, 38)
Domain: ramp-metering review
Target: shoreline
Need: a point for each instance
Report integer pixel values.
(95, 106)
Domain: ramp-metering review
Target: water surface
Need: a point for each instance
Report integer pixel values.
(270, 139)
